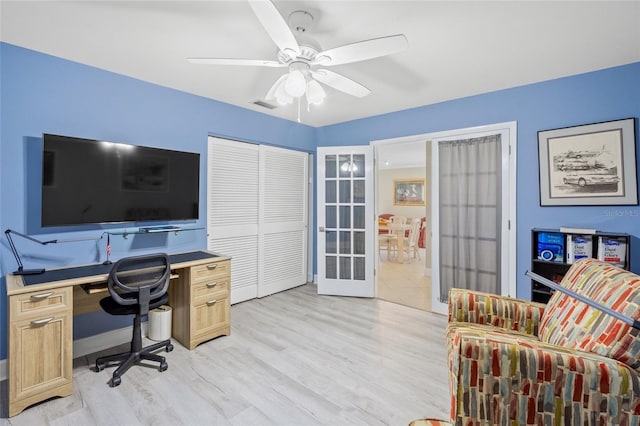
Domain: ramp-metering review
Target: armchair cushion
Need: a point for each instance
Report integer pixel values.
(570, 323)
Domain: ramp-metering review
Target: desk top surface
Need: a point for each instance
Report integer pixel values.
(96, 272)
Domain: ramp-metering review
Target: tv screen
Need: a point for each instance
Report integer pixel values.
(90, 182)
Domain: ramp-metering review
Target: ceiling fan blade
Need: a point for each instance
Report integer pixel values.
(362, 50)
(276, 26)
(340, 82)
(232, 61)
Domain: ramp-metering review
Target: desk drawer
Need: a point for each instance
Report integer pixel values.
(210, 316)
(210, 271)
(216, 286)
(42, 302)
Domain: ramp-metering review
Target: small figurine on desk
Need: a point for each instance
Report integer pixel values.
(108, 262)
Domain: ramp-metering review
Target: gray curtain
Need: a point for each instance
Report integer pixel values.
(470, 214)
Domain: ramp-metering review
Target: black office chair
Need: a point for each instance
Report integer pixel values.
(137, 284)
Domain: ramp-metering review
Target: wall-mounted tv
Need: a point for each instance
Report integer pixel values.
(88, 181)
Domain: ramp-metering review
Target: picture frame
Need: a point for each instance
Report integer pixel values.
(409, 192)
(588, 165)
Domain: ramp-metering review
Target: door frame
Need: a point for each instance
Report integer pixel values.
(509, 253)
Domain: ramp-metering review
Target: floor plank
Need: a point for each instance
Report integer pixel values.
(293, 358)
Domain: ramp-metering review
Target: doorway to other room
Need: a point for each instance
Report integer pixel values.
(402, 202)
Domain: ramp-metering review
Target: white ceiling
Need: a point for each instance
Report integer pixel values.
(456, 48)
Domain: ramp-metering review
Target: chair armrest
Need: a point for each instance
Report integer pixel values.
(506, 378)
(475, 307)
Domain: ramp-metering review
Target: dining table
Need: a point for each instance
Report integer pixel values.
(400, 231)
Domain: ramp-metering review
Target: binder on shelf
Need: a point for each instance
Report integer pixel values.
(550, 246)
(612, 250)
(571, 230)
(579, 247)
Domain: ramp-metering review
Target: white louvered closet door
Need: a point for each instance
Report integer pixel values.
(283, 219)
(257, 214)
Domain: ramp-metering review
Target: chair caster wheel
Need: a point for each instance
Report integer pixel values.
(163, 366)
(115, 381)
(99, 367)
(169, 347)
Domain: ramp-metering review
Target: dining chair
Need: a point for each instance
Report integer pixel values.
(388, 242)
(411, 243)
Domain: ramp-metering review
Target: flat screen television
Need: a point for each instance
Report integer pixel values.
(88, 181)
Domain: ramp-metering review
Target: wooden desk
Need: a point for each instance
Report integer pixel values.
(42, 307)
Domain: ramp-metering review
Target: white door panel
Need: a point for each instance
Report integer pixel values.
(345, 210)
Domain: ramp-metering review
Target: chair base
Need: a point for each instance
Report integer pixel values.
(130, 358)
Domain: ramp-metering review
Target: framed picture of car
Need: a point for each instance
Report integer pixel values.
(591, 164)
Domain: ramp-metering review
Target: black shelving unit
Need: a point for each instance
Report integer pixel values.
(549, 255)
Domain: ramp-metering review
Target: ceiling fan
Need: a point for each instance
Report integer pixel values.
(303, 56)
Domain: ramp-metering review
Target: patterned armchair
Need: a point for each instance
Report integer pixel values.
(513, 362)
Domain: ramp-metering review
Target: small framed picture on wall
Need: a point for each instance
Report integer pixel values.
(408, 192)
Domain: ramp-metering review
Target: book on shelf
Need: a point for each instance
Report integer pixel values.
(579, 247)
(572, 230)
(612, 250)
(550, 246)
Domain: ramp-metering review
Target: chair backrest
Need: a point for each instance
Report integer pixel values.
(139, 279)
(398, 219)
(414, 232)
(573, 324)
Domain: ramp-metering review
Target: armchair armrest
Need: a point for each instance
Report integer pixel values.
(467, 306)
(507, 378)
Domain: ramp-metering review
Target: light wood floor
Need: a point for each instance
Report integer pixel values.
(404, 283)
(293, 358)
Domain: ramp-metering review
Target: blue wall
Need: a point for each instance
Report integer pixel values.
(45, 94)
(606, 95)
(41, 93)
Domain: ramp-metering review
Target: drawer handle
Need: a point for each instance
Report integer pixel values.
(42, 296)
(212, 302)
(212, 285)
(212, 267)
(41, 321)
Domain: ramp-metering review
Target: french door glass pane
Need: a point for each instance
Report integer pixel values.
(331, 243)
(358, 191)
(358, 268)
(345, 191)
(345, 165)
(345, 242)
(345, 267)
(331, 220)
(330, 191)
(345, 216)
(331, 270)
(358, 165)
(330, 166)
(358, 217)
(358, 243)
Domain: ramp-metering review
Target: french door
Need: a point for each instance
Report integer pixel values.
(474, 213)
(345, 210)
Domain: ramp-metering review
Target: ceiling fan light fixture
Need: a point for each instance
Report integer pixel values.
(295, 84)
(282, 96)
(315, 92)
